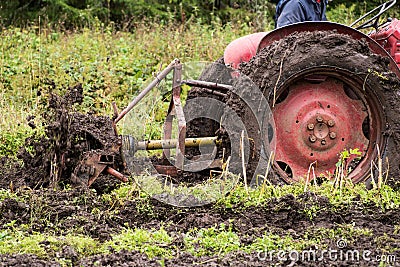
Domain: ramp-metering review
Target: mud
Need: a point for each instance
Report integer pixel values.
(49, 160)
(280, 216)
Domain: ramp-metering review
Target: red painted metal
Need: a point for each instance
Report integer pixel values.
(311, 26)
(315, 123)
(389, 38)
(242, 49)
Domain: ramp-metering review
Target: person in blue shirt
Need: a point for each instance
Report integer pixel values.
(292, 11)
(287, 12)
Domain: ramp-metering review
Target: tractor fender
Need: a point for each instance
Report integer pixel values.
(242, 49)
(246, 47)
(311, 26)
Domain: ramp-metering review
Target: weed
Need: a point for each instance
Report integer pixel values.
(311, 211)
(118, 197)
(153, 243)
(217, 240)
(273, 242)
(4, 194)
(343, 167)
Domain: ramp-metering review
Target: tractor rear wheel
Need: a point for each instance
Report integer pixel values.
(329, 93)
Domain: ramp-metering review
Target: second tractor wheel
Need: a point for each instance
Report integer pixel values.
(329, 94)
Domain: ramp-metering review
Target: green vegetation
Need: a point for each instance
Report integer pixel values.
(111, 66)
(126, 14)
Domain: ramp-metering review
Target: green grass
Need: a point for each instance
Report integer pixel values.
(152, 242)
(111, 65)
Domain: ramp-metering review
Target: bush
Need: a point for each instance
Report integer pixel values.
(69, 14)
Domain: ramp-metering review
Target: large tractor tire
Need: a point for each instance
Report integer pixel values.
(329, 93)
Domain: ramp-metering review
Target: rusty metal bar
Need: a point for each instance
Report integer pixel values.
(172, 143)
(116, 174)
(173, 171)
(153, 84)
(209, 85)
(210, 91)
(114, 105)
(168, 128)
(180, 116)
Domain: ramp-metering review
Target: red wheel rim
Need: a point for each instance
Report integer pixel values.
(319, 116)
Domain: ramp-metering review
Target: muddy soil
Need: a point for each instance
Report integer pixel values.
(48, 161)
(281, 216)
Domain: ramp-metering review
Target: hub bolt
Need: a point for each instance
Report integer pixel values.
(313, 138)
(310, 126)
(323, 142)
(319, 119)
(331, 123)
(332, 135)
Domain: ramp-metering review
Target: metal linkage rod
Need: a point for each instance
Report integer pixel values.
(142, 94)
(209, 85)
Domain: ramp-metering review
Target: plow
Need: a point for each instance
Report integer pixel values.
(278, 107)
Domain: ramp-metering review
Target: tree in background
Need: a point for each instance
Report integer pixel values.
(69, 14)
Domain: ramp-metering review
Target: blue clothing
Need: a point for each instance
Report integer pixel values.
(292, 11)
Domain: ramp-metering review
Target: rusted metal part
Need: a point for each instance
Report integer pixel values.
(116, 174)
(214, 92)
(172, 143)
(176, 95)
(115, 108)
(168, 128)
(176, 110)
(167, 170)
(208, 85)
(173, 171)
(92, 165)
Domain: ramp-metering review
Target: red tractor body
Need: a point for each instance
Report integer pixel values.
(244, 48)
(389, 38)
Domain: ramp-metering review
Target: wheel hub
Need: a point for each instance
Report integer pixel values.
(315, 122)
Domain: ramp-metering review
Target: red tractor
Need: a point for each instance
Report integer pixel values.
(331, 88)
